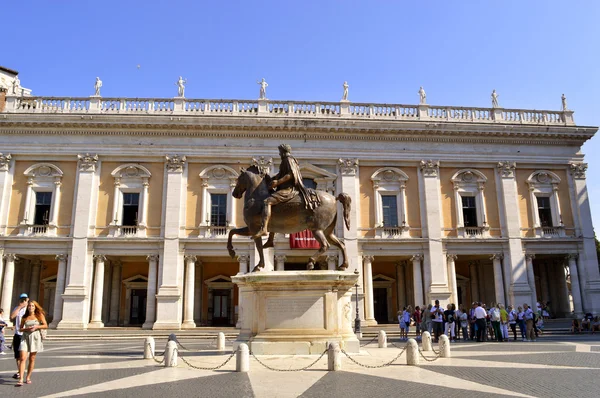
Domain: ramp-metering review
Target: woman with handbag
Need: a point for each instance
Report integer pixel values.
(32, 324)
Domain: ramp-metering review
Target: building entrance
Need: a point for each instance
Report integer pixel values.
(221, 303)
(137, 313)
(380, 303)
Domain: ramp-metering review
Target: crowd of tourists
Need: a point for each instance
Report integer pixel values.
(478, 323)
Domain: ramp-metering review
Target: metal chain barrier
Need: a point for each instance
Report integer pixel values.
(187, 349)
(206, 368)
(437, 356)
(372, 340)
(154, 356)
(288, 370)
(374, 366)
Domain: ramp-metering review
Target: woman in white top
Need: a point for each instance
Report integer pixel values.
(406, 318)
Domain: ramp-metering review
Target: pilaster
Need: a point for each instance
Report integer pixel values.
(8, 283)
(188, 305)
(514, 258)
(434, 265)
(170, 274)
(98, 290)
(368, 282)
(76, 297)
(6, 181)
(498, 279)
(59, 290)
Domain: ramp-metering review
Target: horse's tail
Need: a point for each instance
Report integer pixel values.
(346, 202)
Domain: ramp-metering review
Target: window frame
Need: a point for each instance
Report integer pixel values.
(130, 178)
(470, 183)
(216, 179)
(544, 183)
(42, 177)
(390, 181)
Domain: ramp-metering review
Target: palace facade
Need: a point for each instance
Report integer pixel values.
(115, 211)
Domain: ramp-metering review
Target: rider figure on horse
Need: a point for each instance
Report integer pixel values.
(288, 185)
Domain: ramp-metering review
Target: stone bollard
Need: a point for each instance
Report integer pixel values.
(171, 354)
(172, 337)
(221, 342)
(426, 340)
(242, 359)
(334, 357)
(444, 346)
(382, 339)
(149, 348)
(412, 352)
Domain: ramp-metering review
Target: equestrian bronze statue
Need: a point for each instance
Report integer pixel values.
(282, 204)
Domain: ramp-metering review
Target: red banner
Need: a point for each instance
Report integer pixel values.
(303, 240)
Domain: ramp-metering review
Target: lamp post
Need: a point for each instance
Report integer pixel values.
(357, 319)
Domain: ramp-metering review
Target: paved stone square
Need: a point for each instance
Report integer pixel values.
(556, 366)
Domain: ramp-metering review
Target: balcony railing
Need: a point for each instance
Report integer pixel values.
(474, 231)
(552, 232)
(37, 229)
(128, 231)
(290, 109)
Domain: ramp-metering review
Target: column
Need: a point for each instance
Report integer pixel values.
(531, 279)
(575, 287)
(106, 293)
(170, 271)
(368, 281)
(498, 280)
(198, 294)
(545, 292)
(76, 296)
(34, 287)
(151, 291)
(53, 222)
(60, 289)
(6, 182)
(401, 284)
(588, 258)
(115, 295)
(451, 259)
(514, 259)
(1, 272)
(7, 285)
(280, 262)
(332, 262)
(96, 321)
(474, 282)
(563, 304)
(417, 279)
(188, 293)
(243, 260)
(434, 267)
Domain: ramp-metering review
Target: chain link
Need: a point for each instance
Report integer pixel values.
(427, 359)
(187, 349)
(374, 366)
(372, 340)
(207, 368)
(154, 356)
(288, 370)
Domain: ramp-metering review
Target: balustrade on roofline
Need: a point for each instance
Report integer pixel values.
(352, 110)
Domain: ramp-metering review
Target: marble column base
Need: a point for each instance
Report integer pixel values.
(95, 325)
(188, 325)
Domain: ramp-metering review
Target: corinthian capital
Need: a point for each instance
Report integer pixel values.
(578, 170)
(87, 162)
(175, 163)
(264, 165)
(348, 166)
(430, 168)
(4, 161)
(506, 169)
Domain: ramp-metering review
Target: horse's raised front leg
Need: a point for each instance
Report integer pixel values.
(261, 256)
(320, 237)
(237, 231)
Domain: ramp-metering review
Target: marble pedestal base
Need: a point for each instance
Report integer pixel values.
(296, 312)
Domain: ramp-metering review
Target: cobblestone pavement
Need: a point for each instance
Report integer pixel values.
(556, 367)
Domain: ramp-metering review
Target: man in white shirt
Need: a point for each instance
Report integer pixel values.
(529, 317)
(437, 321)
(480, 316)
(16, 315)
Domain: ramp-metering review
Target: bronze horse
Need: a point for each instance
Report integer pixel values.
(288, 217)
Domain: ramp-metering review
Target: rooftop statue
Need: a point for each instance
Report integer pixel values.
(181, 82)
(563, 100)
(97, 87)
(282, 204)
(345, 95)
(495, 99)
(263, 89)
(422, 96)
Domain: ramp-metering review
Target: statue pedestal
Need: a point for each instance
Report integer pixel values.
(296, 312)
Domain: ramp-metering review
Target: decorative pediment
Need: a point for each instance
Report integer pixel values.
(219, 172)
(543, 178)
(131, 170)
(136, 279)
(324, 179)
(382, 278)
(468, 177)
(389, 175)
(218, 279)
(43, 170)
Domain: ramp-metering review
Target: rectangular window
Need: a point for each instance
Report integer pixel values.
(218, 209)
(544, 211)
(390, 210)
(309, 183)
(469, 209)
(131, 203)
(43, 200)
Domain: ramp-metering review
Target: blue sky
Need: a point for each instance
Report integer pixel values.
(529, 51)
